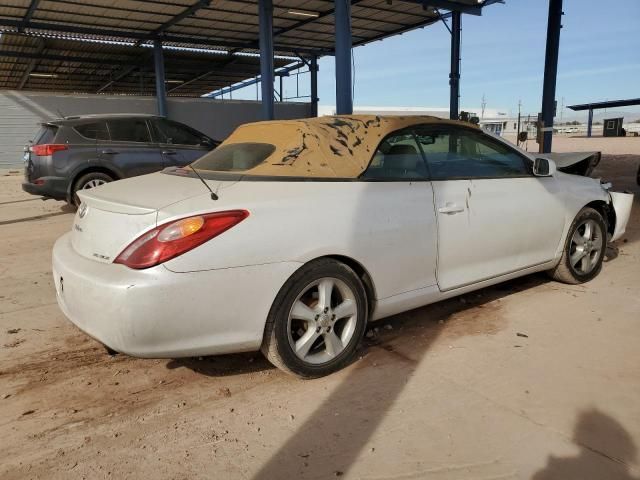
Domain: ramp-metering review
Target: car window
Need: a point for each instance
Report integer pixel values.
(235, 157)
(46, 134)
(397, 157)
(176, 133)
(453, 153)
(94, 130)
(129, 130)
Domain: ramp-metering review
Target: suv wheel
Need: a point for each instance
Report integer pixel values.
(87, 181)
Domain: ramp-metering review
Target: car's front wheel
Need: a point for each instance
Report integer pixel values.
(584, 249)
(317, 320)
(87, 181)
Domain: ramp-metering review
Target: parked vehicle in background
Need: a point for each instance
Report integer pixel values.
(83, 152)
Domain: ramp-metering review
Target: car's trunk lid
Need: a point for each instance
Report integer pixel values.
(110, 217)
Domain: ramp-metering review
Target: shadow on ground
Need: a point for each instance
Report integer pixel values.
(223, 365)
(606, 450)
(331, 440)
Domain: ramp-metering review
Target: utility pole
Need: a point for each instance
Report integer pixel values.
(518, 134)
(483, 105)
(561, 109)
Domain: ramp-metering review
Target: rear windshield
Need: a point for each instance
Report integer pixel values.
(46, 134)
(235, 157)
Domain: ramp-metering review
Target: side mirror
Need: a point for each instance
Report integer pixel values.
(523, 136)
(543, 167)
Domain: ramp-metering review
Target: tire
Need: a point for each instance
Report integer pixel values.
(327, 333)
(588, 233)
(87, 181)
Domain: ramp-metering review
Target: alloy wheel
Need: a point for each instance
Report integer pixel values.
(322, 320)
(586, 247)
(96, 182)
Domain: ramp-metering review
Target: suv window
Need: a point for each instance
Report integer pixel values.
(397, 157)
(457, 153)
(129, 130)
(176, 133)
(94, 130)
(46, 134)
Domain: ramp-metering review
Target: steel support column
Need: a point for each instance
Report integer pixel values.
(161, 91)
(265, 11)
(590, 122)
(554, 24)
(313, 69)
(454, 76)
(343, 45)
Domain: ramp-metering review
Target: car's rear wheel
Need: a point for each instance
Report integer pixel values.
(584, 249)
(317, 320)
(88, 181)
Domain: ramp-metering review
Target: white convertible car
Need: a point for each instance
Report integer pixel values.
(293, 235)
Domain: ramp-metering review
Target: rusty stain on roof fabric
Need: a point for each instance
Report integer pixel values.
(338, 146)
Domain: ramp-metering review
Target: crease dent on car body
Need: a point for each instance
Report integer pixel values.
(317, 227)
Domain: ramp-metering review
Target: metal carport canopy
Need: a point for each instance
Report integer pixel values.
(29, 62)
(598, 105)
(306, 28)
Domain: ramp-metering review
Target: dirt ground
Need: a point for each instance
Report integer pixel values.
(528, 379)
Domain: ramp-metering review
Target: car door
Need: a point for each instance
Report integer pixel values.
(400, 243)
(494, 217)
(130, 147)
(180, 145)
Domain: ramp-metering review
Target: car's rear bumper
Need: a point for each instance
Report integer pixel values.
(53, 187)
(162, 314)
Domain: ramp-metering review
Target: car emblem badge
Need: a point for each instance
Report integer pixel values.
(83, 210)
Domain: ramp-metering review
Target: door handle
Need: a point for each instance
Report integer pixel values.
(169, 152)
(108, 151)
(450, 209)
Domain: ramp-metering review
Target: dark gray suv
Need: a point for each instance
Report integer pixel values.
(86, 151)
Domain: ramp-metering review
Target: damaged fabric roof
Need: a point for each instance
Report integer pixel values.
(338, 146)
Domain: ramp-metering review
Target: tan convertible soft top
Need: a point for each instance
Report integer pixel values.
(333, 146)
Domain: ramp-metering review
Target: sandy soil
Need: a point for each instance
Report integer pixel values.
(528, 379)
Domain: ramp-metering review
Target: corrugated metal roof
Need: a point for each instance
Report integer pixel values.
(63, 65)
(44, 29)
(303, 26)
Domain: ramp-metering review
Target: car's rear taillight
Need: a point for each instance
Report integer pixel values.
(175, 238)
(48, 148)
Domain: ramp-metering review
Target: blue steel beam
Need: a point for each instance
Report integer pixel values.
(265, 13)
(454, 75)
(554, 24)
(27, 16)
(313, 69)
(452, 6)
(252, 81)
(184, 14)
(161, 92)
(343, 46)
(590, 122)
(423, 23)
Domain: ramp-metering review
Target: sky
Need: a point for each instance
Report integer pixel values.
(502, 59)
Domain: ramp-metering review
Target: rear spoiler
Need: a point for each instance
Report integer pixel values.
(576, 163)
